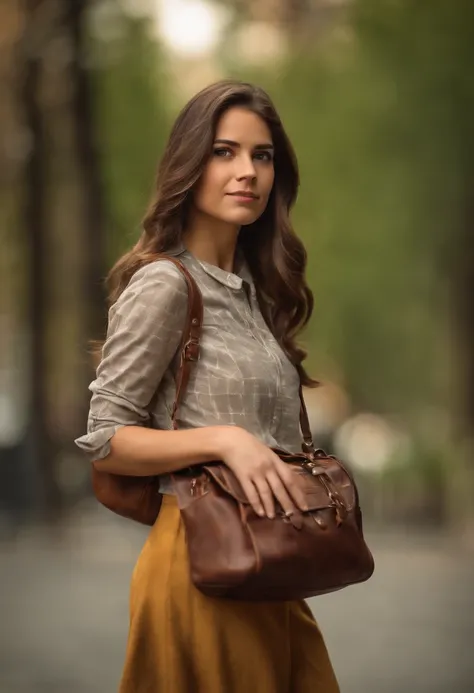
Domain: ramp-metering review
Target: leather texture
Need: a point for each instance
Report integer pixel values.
(238, 555)
(234, 553)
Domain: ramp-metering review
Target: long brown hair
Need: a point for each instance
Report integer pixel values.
(275, 255)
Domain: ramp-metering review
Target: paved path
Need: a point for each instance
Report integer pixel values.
(63, 613)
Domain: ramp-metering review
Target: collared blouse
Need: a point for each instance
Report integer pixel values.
(242, 378)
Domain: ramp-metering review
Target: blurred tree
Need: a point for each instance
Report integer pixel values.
(93, 228)
(426, 53)
(131, 105)
(58, 119)
(39, 23)
(380, 109)
(92, 107)
(118, 123)
(14, 496)
(302, 20)
(376, 110)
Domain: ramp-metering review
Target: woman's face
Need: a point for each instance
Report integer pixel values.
(238, 178)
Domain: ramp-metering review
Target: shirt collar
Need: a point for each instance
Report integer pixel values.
(229, 279)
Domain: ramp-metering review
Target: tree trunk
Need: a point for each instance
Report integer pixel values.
(93, 227)
(35, 225)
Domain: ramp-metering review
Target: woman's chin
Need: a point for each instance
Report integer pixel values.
(242, 217)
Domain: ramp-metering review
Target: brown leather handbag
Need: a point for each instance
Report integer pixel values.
(234, 553)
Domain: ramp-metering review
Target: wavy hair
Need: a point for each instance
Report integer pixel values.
(275, 255)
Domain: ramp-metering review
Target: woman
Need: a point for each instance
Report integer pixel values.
(226, 183)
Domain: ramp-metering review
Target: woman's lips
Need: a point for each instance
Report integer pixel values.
(244, 197)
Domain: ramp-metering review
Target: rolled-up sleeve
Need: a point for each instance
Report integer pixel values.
(144, 331)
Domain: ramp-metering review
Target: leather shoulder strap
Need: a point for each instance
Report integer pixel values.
(189, 352)
(189, 347)
(308, 445)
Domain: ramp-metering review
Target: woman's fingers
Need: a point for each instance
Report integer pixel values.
(270, 481)
(294, 490)
(280, 492)
(252, 496)
(266, 495)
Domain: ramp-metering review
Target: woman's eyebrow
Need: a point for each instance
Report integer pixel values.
(231, 143)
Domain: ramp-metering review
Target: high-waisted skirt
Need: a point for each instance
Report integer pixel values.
(181, 641)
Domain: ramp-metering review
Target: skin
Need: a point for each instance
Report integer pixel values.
(242, 160)
(217, 215)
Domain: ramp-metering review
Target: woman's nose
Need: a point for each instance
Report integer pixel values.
(245, 168)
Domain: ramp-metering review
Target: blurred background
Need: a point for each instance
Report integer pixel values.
(378, 99)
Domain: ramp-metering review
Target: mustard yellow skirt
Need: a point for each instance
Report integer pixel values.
(181, 641)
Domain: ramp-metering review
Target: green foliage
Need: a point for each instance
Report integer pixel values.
(380, 114)
(130, 91)
(381, 118)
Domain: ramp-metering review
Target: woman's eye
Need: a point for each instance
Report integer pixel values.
(264, 156)
(222, 152)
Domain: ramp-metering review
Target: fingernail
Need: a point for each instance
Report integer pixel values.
(260, 512)
(271, 516)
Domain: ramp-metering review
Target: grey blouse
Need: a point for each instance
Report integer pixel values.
(242, 378)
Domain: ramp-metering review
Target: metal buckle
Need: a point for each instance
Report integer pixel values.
(188, 350)
(308, 448)
(337, 501)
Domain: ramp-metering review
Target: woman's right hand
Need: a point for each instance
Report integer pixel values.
(263, 476)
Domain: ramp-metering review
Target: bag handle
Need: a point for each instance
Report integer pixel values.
(189, 353)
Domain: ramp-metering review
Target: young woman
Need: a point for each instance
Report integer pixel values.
(226, 183)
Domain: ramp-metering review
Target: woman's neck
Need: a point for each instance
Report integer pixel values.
(212, 241)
